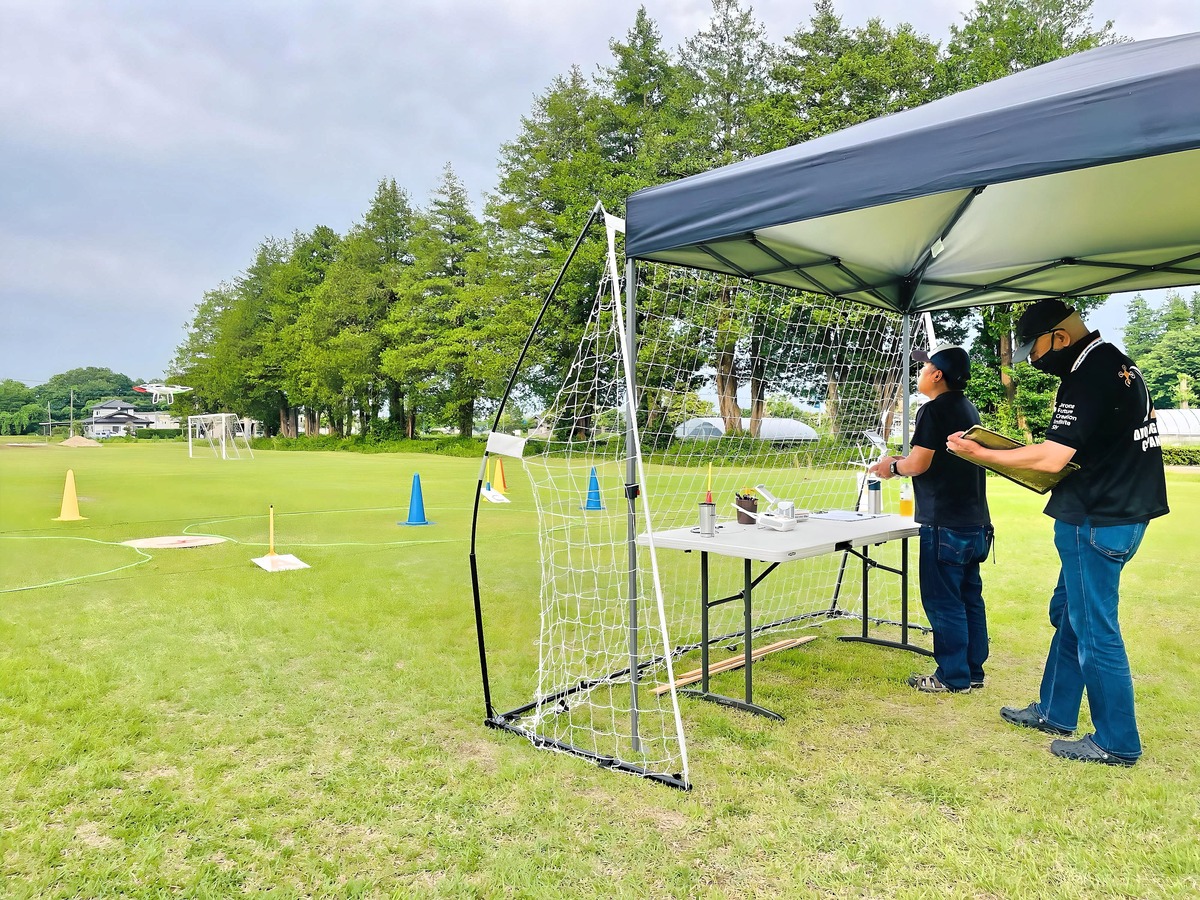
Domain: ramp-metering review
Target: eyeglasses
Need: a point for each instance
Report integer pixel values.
(1041, 334)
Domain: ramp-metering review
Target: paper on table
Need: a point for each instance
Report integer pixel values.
(845, 515)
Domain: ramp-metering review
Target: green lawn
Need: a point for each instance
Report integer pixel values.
(181, 723)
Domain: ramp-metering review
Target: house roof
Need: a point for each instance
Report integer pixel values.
(118, 418)
(113, 404)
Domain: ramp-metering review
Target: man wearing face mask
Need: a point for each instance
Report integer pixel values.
(1104, 421)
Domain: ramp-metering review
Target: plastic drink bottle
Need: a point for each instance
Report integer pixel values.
(906, 501)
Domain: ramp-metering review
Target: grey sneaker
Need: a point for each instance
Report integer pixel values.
(1087, 750)
(1029, 717)
(930, 684)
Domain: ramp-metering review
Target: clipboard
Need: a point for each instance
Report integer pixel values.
(1038, 482)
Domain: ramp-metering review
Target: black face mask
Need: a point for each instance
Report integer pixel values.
(1055, 362)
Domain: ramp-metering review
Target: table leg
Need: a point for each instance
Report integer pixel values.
(903, 643)
(866, 590)
(704, 621)
(747, 618)
(748, 704)
(904, 591)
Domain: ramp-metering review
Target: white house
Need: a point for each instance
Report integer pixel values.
(113, 418)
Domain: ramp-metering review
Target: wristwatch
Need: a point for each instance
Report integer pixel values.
(895, 471)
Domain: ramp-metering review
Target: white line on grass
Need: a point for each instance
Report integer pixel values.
(13, 537)
(294, 543)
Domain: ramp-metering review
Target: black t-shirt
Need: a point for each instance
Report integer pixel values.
(952, 491)
(1104, 411)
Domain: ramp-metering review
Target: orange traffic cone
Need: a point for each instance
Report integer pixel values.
(70, 502)
(498, 482)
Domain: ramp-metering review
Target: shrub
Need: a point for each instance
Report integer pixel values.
(1181, 456)
(444, 445)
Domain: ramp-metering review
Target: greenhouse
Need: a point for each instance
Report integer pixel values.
(1179, 427)
(770, 429)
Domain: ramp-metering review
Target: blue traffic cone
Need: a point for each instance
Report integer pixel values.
(416, 504)
(593, 495)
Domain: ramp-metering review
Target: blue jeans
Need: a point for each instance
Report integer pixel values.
(952, 594)
(1087, 651)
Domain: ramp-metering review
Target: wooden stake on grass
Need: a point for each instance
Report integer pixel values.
(734, 662)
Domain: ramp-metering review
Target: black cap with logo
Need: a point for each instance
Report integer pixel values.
(1041, 318)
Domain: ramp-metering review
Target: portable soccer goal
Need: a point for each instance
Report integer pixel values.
(611, 466)
(225, 435)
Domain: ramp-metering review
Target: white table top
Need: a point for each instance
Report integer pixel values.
(811, 537)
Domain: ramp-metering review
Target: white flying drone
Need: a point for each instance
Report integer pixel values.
(161, 392)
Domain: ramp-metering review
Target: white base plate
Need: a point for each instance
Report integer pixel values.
(279, 562)
(171, 542)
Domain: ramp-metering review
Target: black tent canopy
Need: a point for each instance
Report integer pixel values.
(1081, 176)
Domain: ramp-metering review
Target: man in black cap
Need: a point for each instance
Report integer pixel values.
(1104, 421)
(956, 529)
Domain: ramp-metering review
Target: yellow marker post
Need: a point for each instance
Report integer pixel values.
(276, 562)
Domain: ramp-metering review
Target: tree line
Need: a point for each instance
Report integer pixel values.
(1165, 344)
(68, 395)
(415, 315)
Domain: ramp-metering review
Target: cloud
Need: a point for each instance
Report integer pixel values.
(141, 87)
(148, 146)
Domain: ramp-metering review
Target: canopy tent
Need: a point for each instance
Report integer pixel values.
(1073, 178)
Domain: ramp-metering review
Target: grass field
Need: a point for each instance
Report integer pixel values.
(180, 723)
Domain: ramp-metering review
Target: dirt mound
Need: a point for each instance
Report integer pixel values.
(77, 441)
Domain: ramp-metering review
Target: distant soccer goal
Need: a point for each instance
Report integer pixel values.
(222, 435)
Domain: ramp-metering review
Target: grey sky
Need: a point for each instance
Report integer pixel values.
(147, 148)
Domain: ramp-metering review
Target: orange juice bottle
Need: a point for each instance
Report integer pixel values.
(906, 500)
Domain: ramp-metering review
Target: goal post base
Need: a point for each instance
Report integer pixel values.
(501, 723)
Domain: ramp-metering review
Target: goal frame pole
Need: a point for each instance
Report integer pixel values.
(489, 710)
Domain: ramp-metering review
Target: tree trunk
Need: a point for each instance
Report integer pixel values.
(758, 388)
(395, 402)
(650, 402)
(727, 388)
(892, 397)
(831, 402)
(466, 419)
(288, 424)
(1010, 386)
(410, 424)
(725, 363)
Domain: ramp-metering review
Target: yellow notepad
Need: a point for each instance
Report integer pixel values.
(1040, 482)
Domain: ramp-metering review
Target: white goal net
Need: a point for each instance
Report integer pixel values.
(222, 435)
(738, 385)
